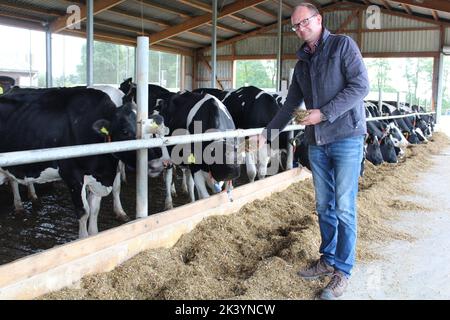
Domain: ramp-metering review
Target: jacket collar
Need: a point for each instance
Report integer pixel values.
(302, 55)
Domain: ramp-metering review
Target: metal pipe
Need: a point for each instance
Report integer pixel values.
(440, 90)
(214, 45)
(90, 43)
(48, 58)
(142, 114)
(380, 101)
(290, 152)
(280, 45)
(398, 99)
(42, 155)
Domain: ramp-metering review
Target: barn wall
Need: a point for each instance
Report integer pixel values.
(372, 43)
(188, 76)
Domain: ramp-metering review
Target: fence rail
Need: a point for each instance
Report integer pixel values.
(41, 155)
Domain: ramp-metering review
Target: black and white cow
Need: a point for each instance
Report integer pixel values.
(67, 117)
(157, 96)
(219, 94)
(189, 113)
(250, 108)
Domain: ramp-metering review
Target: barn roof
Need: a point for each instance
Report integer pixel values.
(185, 25)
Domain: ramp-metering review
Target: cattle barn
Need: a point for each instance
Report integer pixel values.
(209, 38)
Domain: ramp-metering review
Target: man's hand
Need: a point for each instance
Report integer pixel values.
(313, 118)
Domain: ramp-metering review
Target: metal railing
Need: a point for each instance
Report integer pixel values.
(41, 155)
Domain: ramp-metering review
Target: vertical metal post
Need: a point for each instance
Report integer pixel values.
(398, 99)
(48, 58)
(290, 152)
(280, 45)
(440, 89)
(214, 45)
(90, 43)
(380, 101)
(142, 114)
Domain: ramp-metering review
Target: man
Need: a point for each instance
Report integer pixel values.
(330, 77)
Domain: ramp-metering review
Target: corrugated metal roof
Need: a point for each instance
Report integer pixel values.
(257, 45)
(333, 20)
(162, 17)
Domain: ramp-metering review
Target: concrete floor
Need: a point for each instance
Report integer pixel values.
(418, 269)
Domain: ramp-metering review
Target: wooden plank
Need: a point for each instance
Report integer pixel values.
(435, 15)
(265, 12)
(407, 8)
(201, 20)
(347, 21)
(99, 6)
(61, 266)
(206, 63)
(440, 5)
(160, 7)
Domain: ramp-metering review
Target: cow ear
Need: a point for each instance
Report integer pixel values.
(102, 127)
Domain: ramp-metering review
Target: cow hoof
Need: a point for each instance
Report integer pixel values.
(122, 217)
(168, 206)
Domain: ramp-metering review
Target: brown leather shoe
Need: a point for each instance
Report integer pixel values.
(336, 287)
(318, 269)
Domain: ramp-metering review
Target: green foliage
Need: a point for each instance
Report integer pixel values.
(164, 69)
(258, 73)
(112, 64)
(379, 70)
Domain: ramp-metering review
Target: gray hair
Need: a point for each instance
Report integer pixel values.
(312, 8)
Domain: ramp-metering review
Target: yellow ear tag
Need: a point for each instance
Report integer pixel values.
(104, 131)
(191, 159)
(154, 125)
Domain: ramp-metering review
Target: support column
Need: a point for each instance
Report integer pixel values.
(280, 45)
(48, 59)
(90, 43)
(214, 45)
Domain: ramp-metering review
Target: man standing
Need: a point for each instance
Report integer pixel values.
(331, 78)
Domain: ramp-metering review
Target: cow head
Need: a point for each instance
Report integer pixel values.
(387, 149)
(373, 152)
(122, 127)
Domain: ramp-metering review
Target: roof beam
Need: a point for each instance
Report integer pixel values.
(127, 14)
(386, 5)
(439, 5)
(99, 6)
(393, 12)
(244, 19)
(32, 9)
(347, 21)
(201, 20)
(407, 8)
(163, 8)
(265, 12)
(435, 15)
(291, 8)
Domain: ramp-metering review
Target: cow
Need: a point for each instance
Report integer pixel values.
(26, 95)
(67, 117)
(183, 112)
(219, 94)
(251, 107)
(158, 96)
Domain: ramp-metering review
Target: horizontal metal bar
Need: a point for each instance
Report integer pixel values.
(399, 116)
(41, 155)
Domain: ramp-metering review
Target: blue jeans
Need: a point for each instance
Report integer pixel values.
(335, 169)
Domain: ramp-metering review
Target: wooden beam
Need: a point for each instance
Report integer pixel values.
(439, 5)
(201, 20)
(45, 12)
(407, 8)
(265, 12)
(386, 5)
(435, 15)
(228, 28)
(392, 12)
(196, 4)
(20, 17)
(160, 7)
(347, 21)
(99, 6)
(125, 40)
(127, 14)
(203, 59)
(247, 20)
(423, 54)
(13, 22)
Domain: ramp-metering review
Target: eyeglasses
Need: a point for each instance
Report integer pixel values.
(302, 23)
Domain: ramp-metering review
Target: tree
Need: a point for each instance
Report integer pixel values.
(112, 63)
(379, 70)
(256, 73)
(418, 70)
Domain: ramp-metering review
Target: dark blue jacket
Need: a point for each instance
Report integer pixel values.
(334, 80)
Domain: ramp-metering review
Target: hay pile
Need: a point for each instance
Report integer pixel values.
(255, 253)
